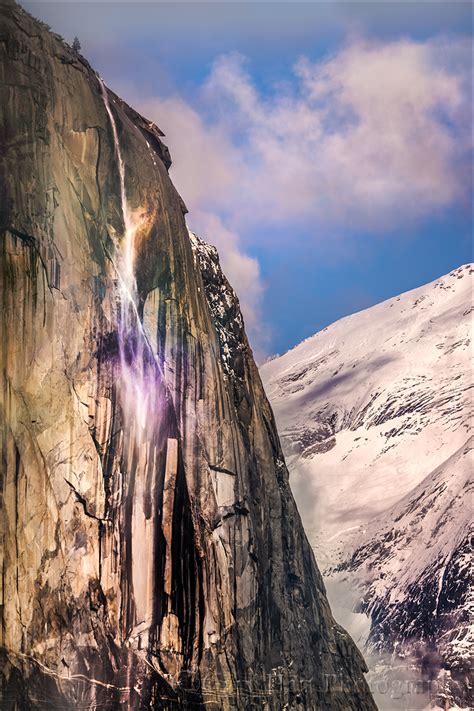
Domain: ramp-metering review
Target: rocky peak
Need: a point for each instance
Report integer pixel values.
(224, 306)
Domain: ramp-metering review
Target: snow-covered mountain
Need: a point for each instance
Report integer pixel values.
(375, 418)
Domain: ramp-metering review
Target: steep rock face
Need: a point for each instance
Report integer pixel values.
(375, 413)
(152, 554)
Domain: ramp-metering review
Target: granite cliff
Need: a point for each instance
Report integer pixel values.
(152, 553)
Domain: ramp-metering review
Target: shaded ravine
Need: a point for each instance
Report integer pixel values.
(152, 553)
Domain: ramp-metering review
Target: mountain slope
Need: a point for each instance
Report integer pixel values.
(412, 567)
(375, 418)
(151, 551)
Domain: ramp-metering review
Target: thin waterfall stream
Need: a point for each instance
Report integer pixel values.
(138, 374)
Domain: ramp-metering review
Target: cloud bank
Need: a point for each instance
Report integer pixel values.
(372, 138)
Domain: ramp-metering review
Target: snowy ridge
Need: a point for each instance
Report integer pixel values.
(375, 415)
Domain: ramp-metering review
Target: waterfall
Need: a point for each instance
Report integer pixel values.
(138, 391)
(130, 222)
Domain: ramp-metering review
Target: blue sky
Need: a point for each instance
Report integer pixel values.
(324, 147)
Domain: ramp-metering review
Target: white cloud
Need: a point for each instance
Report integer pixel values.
(371, 137)
(374, 137)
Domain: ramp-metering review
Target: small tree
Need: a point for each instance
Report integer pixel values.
(76, 46)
